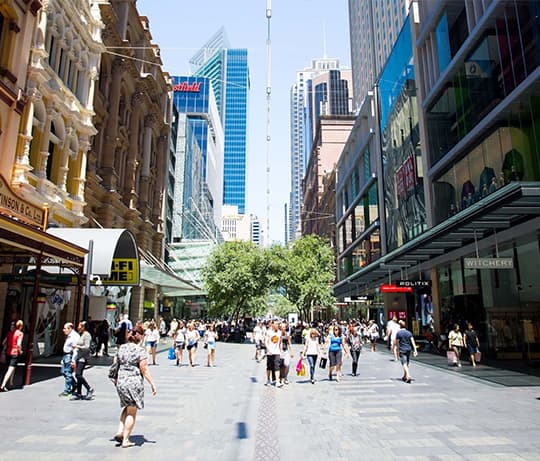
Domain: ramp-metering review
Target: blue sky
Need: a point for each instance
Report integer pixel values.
(180, 28)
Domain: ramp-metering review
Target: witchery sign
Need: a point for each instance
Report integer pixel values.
(489, 263)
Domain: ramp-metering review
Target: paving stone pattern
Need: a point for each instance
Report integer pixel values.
(226, 413)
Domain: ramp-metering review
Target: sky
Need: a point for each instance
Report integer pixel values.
(180, 28)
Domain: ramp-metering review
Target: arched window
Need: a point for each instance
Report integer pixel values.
(56, 136)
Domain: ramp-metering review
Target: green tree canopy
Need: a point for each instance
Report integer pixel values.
(235, 276)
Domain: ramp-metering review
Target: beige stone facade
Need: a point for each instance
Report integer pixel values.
(127, 164)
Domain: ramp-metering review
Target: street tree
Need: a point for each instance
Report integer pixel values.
(236, 277)
(308, 274)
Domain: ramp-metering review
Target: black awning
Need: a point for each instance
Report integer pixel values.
(513, 204)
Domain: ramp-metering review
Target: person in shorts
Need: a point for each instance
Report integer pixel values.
(179, 339)
(192, 338)
(405, 344)
(273, 354)
(258, 341)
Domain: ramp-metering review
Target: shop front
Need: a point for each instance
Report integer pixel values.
(481, 264)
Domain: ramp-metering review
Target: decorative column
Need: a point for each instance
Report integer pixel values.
(64, 160)
(144, 192)
(137, 100)
(109, 147)
(41, 166)
(22, 161)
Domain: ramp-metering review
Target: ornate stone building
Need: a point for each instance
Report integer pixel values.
(57, 122)
(127, 165)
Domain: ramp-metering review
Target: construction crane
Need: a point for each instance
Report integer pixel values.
(268, 119)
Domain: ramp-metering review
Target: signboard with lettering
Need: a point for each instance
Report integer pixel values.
(414, 283)
(186, 87)
(16, 207)
(387, 288)
(488, 263)
(124, 271)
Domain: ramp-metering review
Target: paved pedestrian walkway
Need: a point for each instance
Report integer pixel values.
(226, 413)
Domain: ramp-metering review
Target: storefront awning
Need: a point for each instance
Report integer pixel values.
(115, 256)
(18, 239)
(513, 204)
(171, 285)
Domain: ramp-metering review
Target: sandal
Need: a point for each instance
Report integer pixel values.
(127, 445)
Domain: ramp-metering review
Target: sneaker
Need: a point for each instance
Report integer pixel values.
(312, 381)
(279, 385)
(268, 383)
(89, 394)
(285, 381)
(76, 397)
(65, 394)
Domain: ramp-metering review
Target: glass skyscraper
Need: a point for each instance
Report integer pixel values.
(227, 69)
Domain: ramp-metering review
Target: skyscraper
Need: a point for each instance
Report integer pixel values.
(227, 69)
(374, 28)
(322, 89)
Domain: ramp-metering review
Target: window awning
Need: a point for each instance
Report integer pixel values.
(115, 256)
(171, 285)
(511, 205)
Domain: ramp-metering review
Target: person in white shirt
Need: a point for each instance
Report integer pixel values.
(210, 339)
(258, 340)
(151, 339)
(311, 351)
(273, 354)
(391, 330)
(67, 372)
(192, 338)
(179, 340)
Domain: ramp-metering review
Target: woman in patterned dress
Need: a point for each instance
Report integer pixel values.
(130, 384)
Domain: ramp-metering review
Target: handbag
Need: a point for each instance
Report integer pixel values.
(113, 370)
(172, 354)
(477, 356)
(322, 363)
(299, 366)
(451, 357)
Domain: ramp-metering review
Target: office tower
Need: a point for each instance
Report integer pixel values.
(319, 90)
(374, 27)
(227, 69)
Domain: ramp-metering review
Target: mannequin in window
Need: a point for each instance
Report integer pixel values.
(486, 179)
(513, 166)
(467, 194)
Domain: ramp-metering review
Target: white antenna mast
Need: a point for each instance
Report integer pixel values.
(324, 40)
(268, 97)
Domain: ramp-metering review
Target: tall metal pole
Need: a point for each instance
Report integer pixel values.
(268, 98)
(33, 321)
(86, 306)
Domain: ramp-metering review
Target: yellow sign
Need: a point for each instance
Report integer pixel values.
(124, 271)
(15, 207)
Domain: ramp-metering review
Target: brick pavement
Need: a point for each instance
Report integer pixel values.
(227, 413)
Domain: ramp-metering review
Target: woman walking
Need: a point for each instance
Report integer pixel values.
(179, 339)
(210, 339)
(13, 346)
(455, 343)
(472, 343)
(286, 353)
(373, 334)
(311, 351)
(192, 338)
(81, 354)
(336, 347)
(133, 367)
(151, 339)
(354, 341)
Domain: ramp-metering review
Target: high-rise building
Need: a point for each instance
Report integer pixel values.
(227, 69)
(374, 27)
(322, 89)
(438, 186)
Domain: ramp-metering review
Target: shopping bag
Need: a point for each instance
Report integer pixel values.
(477, 356)
(323, 361)
(451, 357)
(172, 354)
(302, 371)
(299, 366)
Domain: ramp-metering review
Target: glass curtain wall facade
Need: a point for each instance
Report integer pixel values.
(404, 199)
(228, 72)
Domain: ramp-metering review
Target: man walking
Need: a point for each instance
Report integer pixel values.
(273, 354)
(71, 339)
(404, 342)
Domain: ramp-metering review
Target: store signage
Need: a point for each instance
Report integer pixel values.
(185, 87)
(387, 288)
(414, 283)
(400, 315)
(489, 263)
(15, 207)
(406, 177)
(124, 271)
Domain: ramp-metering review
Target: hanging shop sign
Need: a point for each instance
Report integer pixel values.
(414, 283)
(14, 206)
(124, 271)
(185, 87)
(488, 263)
(388, 288)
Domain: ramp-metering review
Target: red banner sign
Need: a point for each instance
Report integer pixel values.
(406, 177)
(387, 288)
(186, 87)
